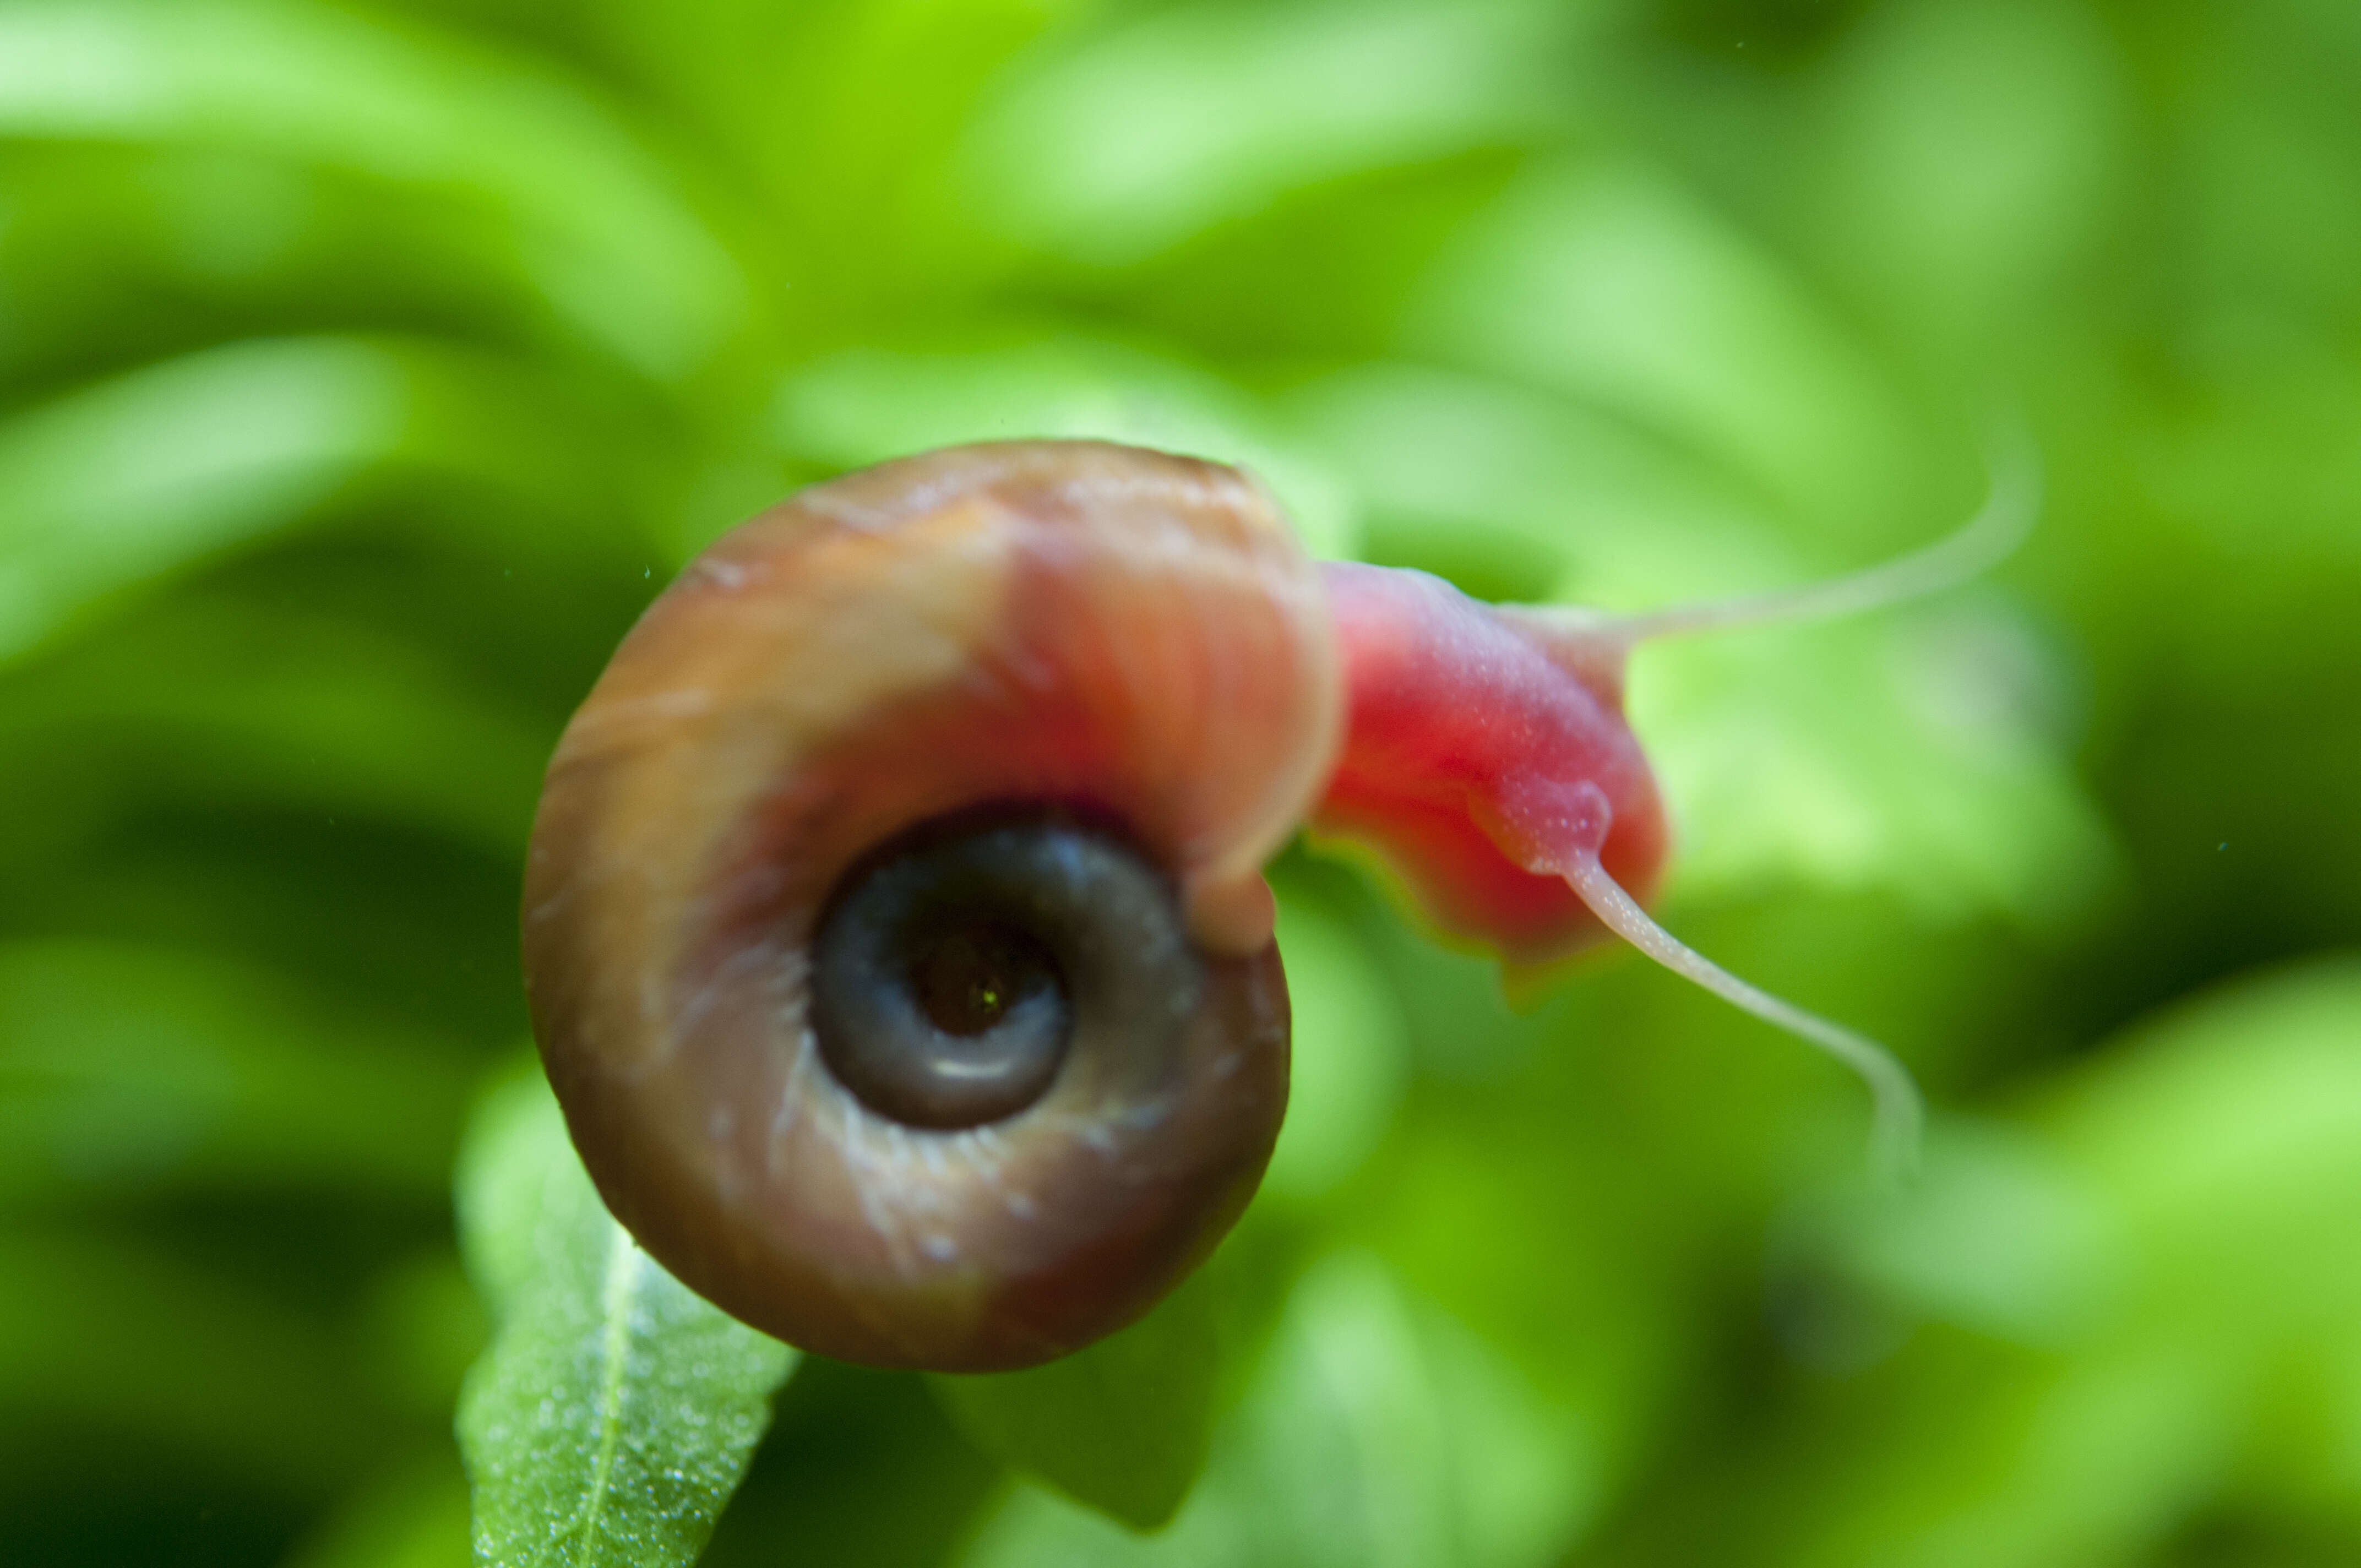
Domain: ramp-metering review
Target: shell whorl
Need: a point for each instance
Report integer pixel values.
(1078, 631)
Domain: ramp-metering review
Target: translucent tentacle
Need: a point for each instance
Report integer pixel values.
(1898, 1112)
(2011, 503)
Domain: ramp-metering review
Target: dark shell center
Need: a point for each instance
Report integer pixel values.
(957, 969)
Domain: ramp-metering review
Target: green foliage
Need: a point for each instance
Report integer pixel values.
(1376, 1432)
(616, 1410)
(365, 367)
(1121, 1425)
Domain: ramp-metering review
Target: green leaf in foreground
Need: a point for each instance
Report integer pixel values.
(1375, 1433)
(1122, 1425)
(616, 1410)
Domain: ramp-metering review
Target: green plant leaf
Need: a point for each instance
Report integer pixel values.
(1605, 279)
(1121, 1425)
(616, 1410)
(130, 479)
(1452, 462)
(1206, 113)
(2204, 1169)
(189, 1362)
(1905, 753)
(2255, 1088)
(1974, 151)
(1376, 1432)
(414, 1517)
(1348, 1059)
(599, 225)
(267, 705)
(131, 1068)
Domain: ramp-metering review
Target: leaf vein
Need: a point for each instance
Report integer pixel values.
(622, 1279)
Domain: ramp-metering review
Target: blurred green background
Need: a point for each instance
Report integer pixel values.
(366, 369)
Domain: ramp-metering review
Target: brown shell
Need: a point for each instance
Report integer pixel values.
(1070, 623)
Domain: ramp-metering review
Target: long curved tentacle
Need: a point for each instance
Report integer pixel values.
(1898, 1110)
(2011, 501)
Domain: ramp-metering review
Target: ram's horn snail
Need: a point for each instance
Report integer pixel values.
(895, 928)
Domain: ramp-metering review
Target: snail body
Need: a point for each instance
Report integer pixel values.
(1469, 729)
(894, 929)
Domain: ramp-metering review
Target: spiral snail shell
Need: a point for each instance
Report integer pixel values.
(894, 930)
